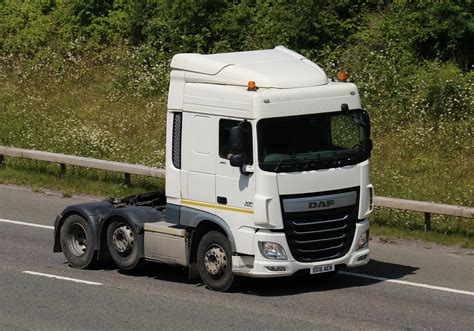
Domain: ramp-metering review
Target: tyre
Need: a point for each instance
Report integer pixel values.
(122, 244)
(214, 261)
(77, 242)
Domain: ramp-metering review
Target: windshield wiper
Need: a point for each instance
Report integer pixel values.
(317, 163)
(319, 160)
(321, 163)
(283, 161)
(347, 160)
(278, 166)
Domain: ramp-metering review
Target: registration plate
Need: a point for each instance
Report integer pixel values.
(318, 269)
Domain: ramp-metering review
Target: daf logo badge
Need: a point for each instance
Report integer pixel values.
(321, 204)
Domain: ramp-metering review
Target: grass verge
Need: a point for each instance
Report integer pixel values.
(390, 233)
(43, 175)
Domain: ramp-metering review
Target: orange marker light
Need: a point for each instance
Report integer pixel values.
(251, 86)
(342, 76)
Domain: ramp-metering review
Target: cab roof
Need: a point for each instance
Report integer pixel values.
(270, 68)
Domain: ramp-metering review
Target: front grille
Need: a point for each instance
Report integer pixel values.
(320, 235)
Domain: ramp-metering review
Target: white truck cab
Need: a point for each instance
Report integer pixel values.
(267, 170)
(301, 196)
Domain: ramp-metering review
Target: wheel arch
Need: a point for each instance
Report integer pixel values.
(93, 212)
(205, 226)
(201, 223)
(74, 210)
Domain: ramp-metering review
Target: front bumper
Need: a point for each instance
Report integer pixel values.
(258, 266)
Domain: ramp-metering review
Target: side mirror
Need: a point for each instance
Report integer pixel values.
(236, 137)
(344, 108)
(370, 145)
(366, 120)
(237, 160)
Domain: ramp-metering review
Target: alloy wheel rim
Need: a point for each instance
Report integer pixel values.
(123, 240)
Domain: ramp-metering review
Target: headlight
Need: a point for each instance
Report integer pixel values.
(272, 251)
(363, 240)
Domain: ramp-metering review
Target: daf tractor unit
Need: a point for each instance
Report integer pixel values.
(267, 175)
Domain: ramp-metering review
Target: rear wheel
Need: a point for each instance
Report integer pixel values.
(122, 244)
(77, 242)
(214, 259)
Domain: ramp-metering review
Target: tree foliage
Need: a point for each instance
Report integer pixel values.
(442, 30)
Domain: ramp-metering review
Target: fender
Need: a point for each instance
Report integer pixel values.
(191, 217)
(92, 212)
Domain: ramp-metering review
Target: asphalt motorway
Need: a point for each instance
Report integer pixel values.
(407, 285)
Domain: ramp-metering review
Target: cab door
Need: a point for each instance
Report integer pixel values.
(234, 190)
(199, 161)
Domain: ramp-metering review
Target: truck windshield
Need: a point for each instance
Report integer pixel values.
(315, 141)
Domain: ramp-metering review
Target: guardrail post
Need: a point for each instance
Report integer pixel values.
(127, 180)
(427, 222)
(62, 170)
(2, 161)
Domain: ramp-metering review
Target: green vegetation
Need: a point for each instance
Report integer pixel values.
(89, 78)
(43, 176)
(389, 233)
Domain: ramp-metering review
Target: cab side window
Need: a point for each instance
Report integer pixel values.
(225, 150)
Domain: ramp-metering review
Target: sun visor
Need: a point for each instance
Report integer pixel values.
(278, 74)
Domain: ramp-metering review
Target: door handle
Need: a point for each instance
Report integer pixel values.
(222, 200)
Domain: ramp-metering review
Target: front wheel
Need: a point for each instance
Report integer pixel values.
(122, 245)
(214, 261)
(77, 242)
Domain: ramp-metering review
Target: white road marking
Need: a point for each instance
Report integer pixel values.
(27, 224)
(62, 278)
(403, 282)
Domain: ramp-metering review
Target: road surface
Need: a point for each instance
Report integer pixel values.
(407, 285)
